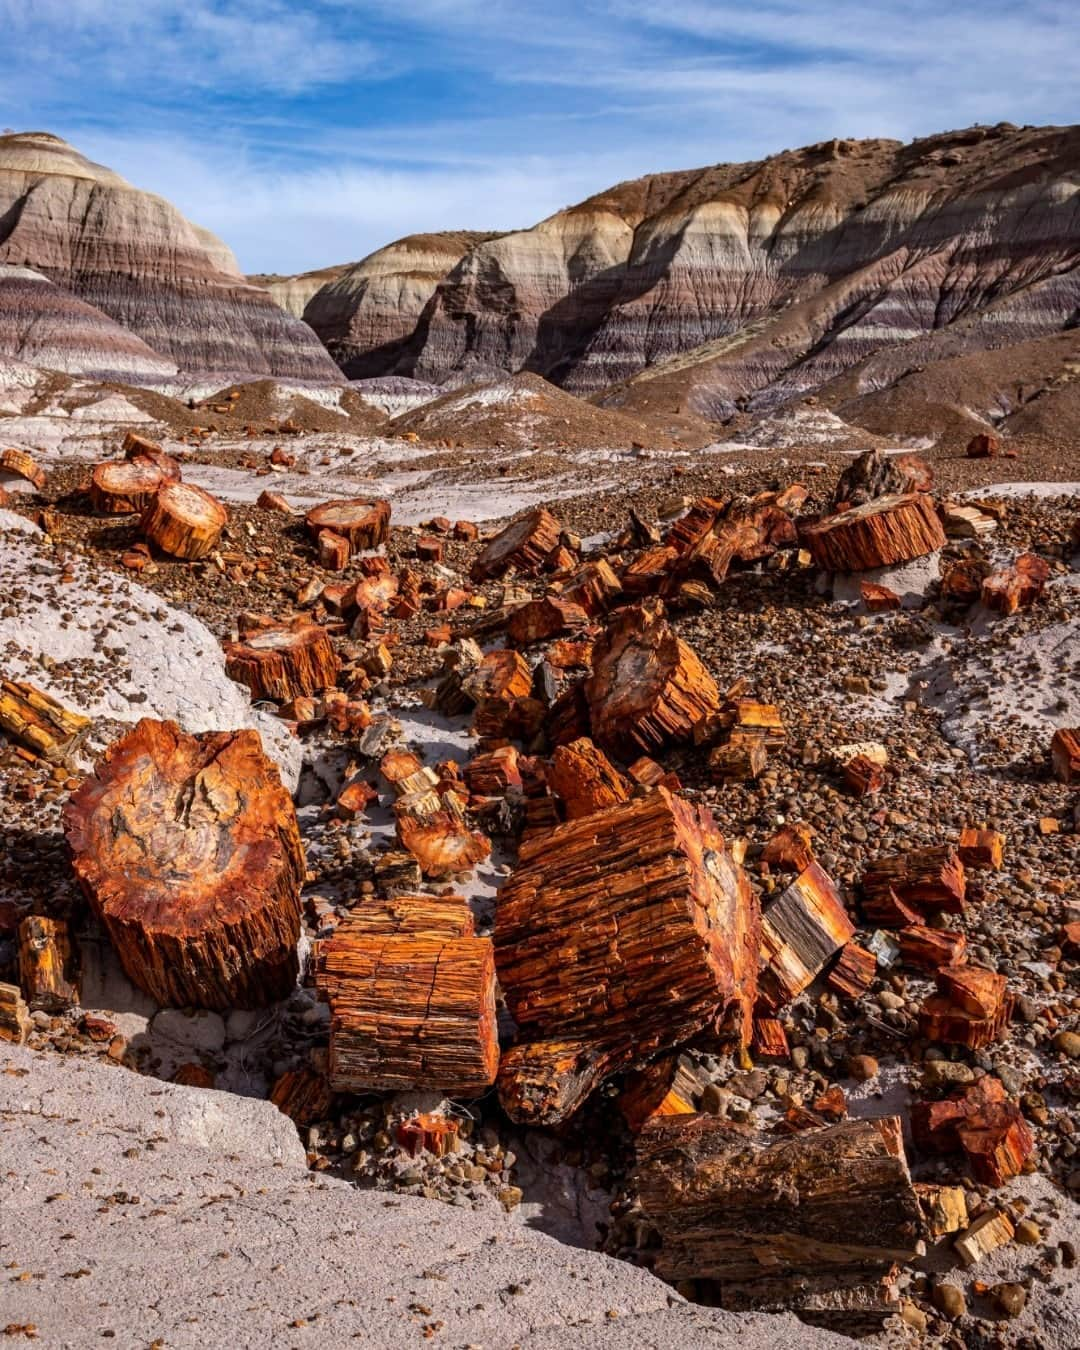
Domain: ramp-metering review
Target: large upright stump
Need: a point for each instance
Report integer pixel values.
(879, 533)
(363, 521)
(183, 521)
(620, 935)
(188, 851)
(647, 687)
(120, 487)
(283, 662)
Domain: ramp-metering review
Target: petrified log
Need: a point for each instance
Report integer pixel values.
(853, 972)
(20, 464)
(962, 583)
(428, 1132)
(972, 1007)
(944, 1208)
(774, 1222)
(647, 688)
(550, 616)
(965, 522)
(1016, 587)
(801, 929)
(980, 1122)
(188, 851)
(585, 779)
(990, 1231)
(740, 759)
(619, 935)
(926, 879)
(790, 849)
(568, 718)
(446, 916)
(983, 446)
(886, 530)
(304, 1095)
(283, 662)
(121, 487)
(863, 776)
(15, 1021)
(981, 850)
(874, 474)
(646, 573)
(523, 545)
(334, 552)
(273, 501)
(494, 773)
(36, 720)
(183, 520)
(434, 830)
(931, 948)
(47, 964)
(502, 674)
(595, 588)
(878, 599)
(770, 1039)
(667, 1087)
(696, 522)
(1064, 754)
(363, 521)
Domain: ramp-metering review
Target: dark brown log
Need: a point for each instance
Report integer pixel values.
(188, 850)
(397, 874)
(928, 879)
(363, 521)
(853, 973)
(47, 964)
(523, 545)
(15, 1021)
(801, 930)
(983, 446)
(884, 531)
(39, 722)
(1016, 587)
(548, 617)
(770, 1224)
(981, 850)
(585, 780)
(972, 1008)
(863, 776)
(647, 688)
(1065, 754)
(122, 487)
(885, 909)
(20, 464)
(568, 718)
(931, 948)
(334, 553)
(304, 1095)
(876, 474)
(619, 935)
(183, 521)
(283, 662)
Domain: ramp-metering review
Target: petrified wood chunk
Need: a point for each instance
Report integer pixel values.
(15, 1021)
(932, 948)
(991, 1230)
(304, 1095)
(927, 879)
(188, 850)
(981, 850)
(523, 545)
(283, 662)
(595, 588)
(801, 929)
(878, 599)
(619, 935)
(20, 464)
(875, 474)
(1016, 587)
(334, 551)
(884, 531)
(972, 1007)
(585, 779)
(962, 582)
(183, 520)
(363, 521)
(550, 616)
(667, 1087)
(502, 674)
(35, 719)
(983, 446)
(790, 849)
(120, 487)
(853, 972)
(647, 687)
(982, 1123)
(273, 501)
(47, 964)
(434, 830)
(495, 773)
(1065, 754)
(740, 759)
(771, 1222)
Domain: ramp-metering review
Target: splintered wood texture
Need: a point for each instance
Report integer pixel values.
(434, 830)
(47, 964)
(585, 779)
(413, 1011)
(303, 1094)
(283, 662)
(931, 948)
(550, 616)
(363, 521)
(446, 916)
(1016, 587)
(929, 879)
(595, 588)
(502, 674)
(876, 474)
(188, 850)
(769, 1221)
(618, 935)
(120, 487)
(15, 1021)
(39, 722)
(972, 1007)
(853, 972)
(800, 931)
(1065, 754)
(647, 688)
(24, 466)
(523, 545)
(982, 1123)
(883, 531)
(981, 849)
(790, 849)
(183, 520)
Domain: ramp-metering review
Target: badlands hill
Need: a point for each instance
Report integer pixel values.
(125, 286)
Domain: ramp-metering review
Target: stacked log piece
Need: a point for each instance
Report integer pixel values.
(1065, 754)
(283, 662)
(15, 1020)
(619, 935)
(412, 999)
(493, 774)
(980, 1122)
(183, 521)
(769, 1224)
(20, 464)
(364, 522)
(41, 723)
(925, 879)
(647, 689)
(863, 776)
(47, 964)
(875, 474)
(981, 850)
(1016, 587)
(188, 850)
(884, 531)
(585, 780)
(971, 1008)
(524, 546)
(853, 971)
(124, 486)
(801, 930)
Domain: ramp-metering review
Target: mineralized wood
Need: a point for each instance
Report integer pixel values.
(39, 722)
(990, 1231)
(183, 521)
(886, 530)
(961, 584)
(434, 830)
(304, 1095)
(548, 617)
(15, 1021)
(523, 545)
(283, 662)
(645, 574)
(585, 780)
(996, 1142)
(876, 474)
(771, 1222)
(668, 1086)
(446, 916)
(619, 935)
(1016, 587)
(188, 851)
(740, 759)
(983, 446)
(502, 674)
(981, 850)
(121, 487)
(931, 948)
(273, 501)
(363, 521)
(853, 972)
(647, 688)
(22, 465)
(878, 599)
(770, 1039)
(972, 1008)
(1064, 754)
(47, 964)
(790, 849)
(334, 552)
(595, 588)
(928, 879)
(863, 776)
(944, 1208)
(495, 773)
(801, 929)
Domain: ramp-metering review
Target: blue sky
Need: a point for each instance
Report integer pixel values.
(312, 132)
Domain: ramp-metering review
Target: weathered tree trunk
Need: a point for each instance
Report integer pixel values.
(35, 719)
(364, 522)
(47, 964)
(801, 930)
(585, 779)
(121, 487)
(283, 662)
(183, 520)
(188, 850)
(875, 474)
(20, 464)
(884, 531)
(523, 545)
(619, 935)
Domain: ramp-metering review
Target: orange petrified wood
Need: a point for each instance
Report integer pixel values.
(883, 531)
(283, 662)
(801, 930)
(981, 849)
(523, 545)
(121, 487)
(363, 521)
(926, 879)
(585, 780)
(1065, 754)
(188, 851)
(183, 520)
(47, 964)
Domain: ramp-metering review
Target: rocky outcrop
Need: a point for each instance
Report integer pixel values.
(136, 259)
(293, 293)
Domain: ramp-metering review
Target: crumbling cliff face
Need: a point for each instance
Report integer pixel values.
(136, 259)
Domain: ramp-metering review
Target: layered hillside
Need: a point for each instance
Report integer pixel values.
(292, 293)
(133, 257)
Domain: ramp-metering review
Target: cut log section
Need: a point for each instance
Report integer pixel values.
(1065, 754)
(801, 930)
(19, 464)
(972, 1007)
(620, 935)
(15, 1021)
(927, 879)
(434, 830)
(183, 521)
(39, 722)
(334, 551)
(647, 688)
(771, 1224)
(853, 972)
(932, 948)
(188, 851)
(884, 531)
(363, 521)
(121, 487)
(47, 964)
(585, 780)
(523, 545)
(982, 1123)
(283, 662)
(550, 616)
